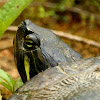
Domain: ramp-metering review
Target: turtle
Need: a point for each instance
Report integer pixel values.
(37, 48)
(66, 76)
(77, 80)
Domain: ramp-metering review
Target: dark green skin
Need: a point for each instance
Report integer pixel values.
(51, 50)
(64, 82)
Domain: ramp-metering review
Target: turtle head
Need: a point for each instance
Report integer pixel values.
(29, 55)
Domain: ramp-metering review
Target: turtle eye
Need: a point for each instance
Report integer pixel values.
(33, 39)
(29, 43)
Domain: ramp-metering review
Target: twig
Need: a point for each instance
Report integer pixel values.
(12, 28)
(77, 38)
(67, 35)
(9, 42)
(6, 44)
(86, 13)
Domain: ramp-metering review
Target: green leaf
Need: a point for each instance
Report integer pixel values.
(41, 13)
(5, 76)
(7, 81)
(18, 83)
(7, 86)
(10, 11)
(0, 96)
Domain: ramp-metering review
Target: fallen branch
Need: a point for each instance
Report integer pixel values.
(77, 38)
(9, 42)
(12, 28)
(67, 35)
(6, 44)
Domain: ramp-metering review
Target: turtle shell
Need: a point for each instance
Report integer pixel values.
(79, 80)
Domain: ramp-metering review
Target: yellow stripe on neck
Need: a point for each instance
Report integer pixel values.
(27, 66)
